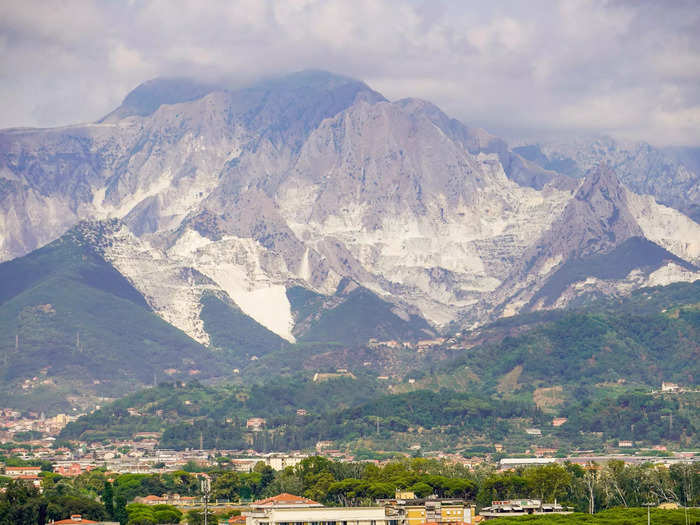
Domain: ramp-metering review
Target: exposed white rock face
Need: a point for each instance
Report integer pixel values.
(314, 178)
(667, 227)
(173, 290)
(234, 264)
(173, 282)
(667, 274)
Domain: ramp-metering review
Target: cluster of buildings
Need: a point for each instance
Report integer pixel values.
(27, 474)
(403, 509)
(139, 458)
(592, 459)
(13, 422)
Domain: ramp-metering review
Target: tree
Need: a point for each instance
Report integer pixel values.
(196, 517)
(422, 489)
(21, 505)
(108, 499)
(267, 474)
(548, 482)
(120, 513)
(226, 486)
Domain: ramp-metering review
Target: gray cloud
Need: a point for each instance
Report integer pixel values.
(630, 69)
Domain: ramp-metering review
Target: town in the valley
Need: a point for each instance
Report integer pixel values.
(226, 484)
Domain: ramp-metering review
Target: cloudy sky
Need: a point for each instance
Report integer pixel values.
(626, 68)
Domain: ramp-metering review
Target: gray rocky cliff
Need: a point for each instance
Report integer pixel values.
(312, 179)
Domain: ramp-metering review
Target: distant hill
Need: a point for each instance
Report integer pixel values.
(355, 413)
(73, 326)
(650, 336)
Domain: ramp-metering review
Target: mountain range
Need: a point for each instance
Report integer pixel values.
(309, 208)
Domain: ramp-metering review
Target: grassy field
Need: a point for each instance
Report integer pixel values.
(632, 516)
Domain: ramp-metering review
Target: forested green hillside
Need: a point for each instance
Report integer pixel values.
(649, 337)
(71, 321)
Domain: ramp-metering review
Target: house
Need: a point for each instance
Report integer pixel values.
(151, 499)
(30, 479)
(288, 508)
(500, 509)
(256, 424)
(511, 463)
(285, 500)
(559, 421)
(406, 509)
(75, 518)
(669, 387)
(16, 472)
(533, 431)
(323, 445)
(625, 444)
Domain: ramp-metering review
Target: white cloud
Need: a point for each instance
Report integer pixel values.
(630, 68)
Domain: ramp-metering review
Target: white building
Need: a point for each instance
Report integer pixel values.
(319, 516)
(287, 509)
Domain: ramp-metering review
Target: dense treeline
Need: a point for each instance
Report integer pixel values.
(458, 412)
(608, 486)
(635, 416)
(184, 412)
(171, 402)
(591, 347)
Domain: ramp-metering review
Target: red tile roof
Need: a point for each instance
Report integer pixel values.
(285, 499)
(73, 519)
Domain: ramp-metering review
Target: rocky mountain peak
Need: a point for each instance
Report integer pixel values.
(312, 178)
(146, 98)
(597, 218)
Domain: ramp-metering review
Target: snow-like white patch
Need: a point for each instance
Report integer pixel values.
(234, 264)
(141, 194)
(305, 267)
(550, 263)
(98, 199)
(167, 285)
(671, 273)
(513, 308)
(666, 226)
(188, 243)
(267, 304)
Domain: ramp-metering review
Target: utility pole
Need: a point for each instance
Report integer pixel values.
(648, 506)
(205, 485)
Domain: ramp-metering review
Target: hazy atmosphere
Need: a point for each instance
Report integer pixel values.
(384, 262)
(628, 69)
